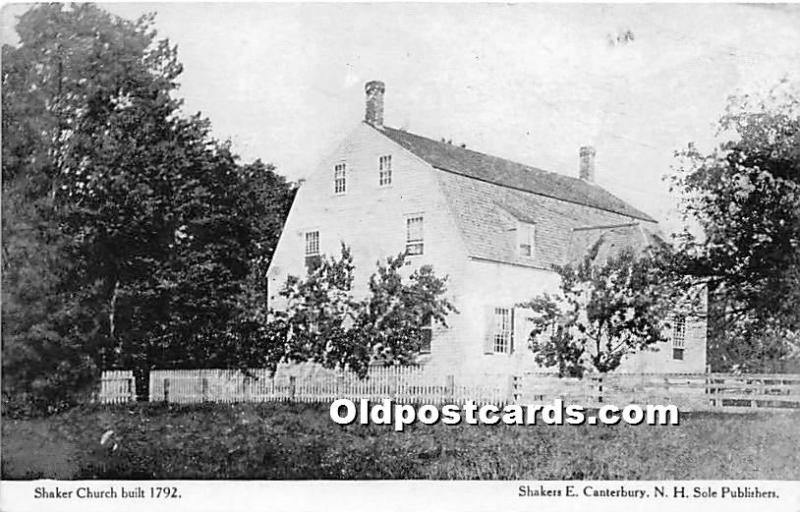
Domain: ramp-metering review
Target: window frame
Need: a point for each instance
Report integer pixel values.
(526, 237)
(503, 330)
(385, 171)
(415, 246)
(678, 337)
(311, 240)
(340, 180)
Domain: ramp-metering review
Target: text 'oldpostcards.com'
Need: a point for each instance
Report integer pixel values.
(345, 412)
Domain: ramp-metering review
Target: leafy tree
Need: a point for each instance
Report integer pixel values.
(397, 310)
(157, 229)
(604, 311)
(325, 323)
(50, 80)
(741, 204)
(45, 362)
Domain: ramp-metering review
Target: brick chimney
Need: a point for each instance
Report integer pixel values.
(374, 111)
(586, 169)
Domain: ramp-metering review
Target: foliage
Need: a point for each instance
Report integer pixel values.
(49, 81)
(131, 237)
(604, 311)
(299, 441)
(741, 204)
(325, 323)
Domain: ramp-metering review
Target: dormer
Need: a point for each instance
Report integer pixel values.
(526, 239)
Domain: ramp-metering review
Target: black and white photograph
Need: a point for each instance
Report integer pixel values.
(333, 253)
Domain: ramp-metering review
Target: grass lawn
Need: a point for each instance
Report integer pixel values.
(299, 441)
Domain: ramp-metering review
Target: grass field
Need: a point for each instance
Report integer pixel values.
(294, 441)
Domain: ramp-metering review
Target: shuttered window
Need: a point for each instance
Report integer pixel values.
(503, 332)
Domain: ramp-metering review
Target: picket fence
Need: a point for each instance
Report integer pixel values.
(117, 387)
(310, 383)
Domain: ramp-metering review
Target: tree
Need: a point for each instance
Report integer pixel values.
(604, 311)
(158, 230)
(326, 324)
(741, 206)
(51, 80)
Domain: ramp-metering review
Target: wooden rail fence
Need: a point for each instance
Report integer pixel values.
(689, 392)
(310, 383)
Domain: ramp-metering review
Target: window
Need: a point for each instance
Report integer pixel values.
(414, 243)
(385, 170)
(339, 179)
(313, 259)
(427, 335)
(525, 238)
(503, 330)
(678, 337)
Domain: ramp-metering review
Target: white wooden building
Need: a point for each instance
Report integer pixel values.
(493, 226)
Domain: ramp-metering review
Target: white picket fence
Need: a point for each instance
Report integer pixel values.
(117, 387)
(306, 383)
(311, 383)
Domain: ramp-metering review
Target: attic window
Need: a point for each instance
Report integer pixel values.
(525, 239)
(385, 170)
(339, 178)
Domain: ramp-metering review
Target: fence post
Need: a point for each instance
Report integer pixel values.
(131, 389)
(394, 384)
(166, 390)
(707, 390)
(600, 389)
(292, 387)
(339, 384)
(450, 387)
(205, 389)
(758, 389)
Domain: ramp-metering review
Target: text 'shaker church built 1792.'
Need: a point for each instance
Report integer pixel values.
(493, 226)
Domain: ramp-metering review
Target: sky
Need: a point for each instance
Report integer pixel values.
(528, 82)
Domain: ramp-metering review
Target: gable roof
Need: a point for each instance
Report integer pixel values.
(490, 196)
(513, 175)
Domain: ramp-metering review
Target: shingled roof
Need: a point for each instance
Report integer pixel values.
(499, 171)
(489, 196)
(609, 240)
